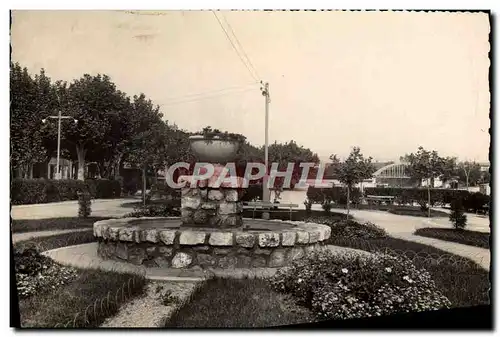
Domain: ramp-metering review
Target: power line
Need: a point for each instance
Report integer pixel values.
(206, 97)
(241, 47)
(234, 47)
(212, 91)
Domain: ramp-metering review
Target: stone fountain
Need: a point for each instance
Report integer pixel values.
(211, 232)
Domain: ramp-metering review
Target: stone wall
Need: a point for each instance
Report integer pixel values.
(211, 207)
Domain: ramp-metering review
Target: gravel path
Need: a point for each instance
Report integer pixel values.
(152, 310)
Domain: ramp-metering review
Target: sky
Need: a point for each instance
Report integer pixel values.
(387, 82)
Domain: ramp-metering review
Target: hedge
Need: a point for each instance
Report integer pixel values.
(403, 196)
(39, 191)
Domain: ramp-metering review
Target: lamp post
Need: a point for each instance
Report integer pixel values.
(59, 117)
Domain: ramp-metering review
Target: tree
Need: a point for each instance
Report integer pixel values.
(450, 169)
(469, 173)
(425, 165)
(352, 171)
(457, 215)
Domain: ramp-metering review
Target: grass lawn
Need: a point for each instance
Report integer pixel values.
(61, 305)
(21, 226)
(57, 241)
(416, 211)
(466, 237)
(463, 281)
(247, 303)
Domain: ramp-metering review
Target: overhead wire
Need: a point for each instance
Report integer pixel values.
(206, 97)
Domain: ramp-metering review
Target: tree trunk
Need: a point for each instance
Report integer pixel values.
(80, 152)
(144, 186)
(348, 200)
(428, 201)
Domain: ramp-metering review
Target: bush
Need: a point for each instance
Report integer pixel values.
(36, 273)
(84, 205)
(345, 287)
(350, 229)
(308, 204)
(457, 215)
(39, 191)
(164, 209)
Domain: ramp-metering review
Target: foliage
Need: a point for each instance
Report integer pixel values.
(84, 205)
(210, 134)
(36, 273)
(164, 209)
(465, 237)
(34, 225)
(352, 229)
(327, 206)
(346, 287)
(469, 173)
(457, 215)
(308, 204)
(35, 191)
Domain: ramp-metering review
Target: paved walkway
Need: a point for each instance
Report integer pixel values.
(18, 237)
(100, 207)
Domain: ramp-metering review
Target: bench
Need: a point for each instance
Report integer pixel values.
(264, 205)
(379, 198)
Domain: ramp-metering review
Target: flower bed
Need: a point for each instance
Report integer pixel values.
(344, 287)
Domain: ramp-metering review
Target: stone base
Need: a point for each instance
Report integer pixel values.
(211, 207)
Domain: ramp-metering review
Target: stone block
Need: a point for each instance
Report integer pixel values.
(150, 235)
(203, 193)
(231, 195)
(121, 251)
(214, 221)
(126, 234)
(314, 236)
(258, 262)
(245, 240)
(167, 237)
(227, 262)
(226, 208)
(114, 233)
(259, 251)
(165, 251)
(206, 260)
(295, 253)
(192, 238)
(136, 255)
(200, 217)
(191, 202)
(150, 251)
(277, 258)
(215, 195)
(244, 261)
(209, 205)
(186, 215)
(303, 237)
(201, 248)
(162, 262)
(221, 239)
(222, 251)
(230, 221)
(269, 239)
(288, 239)
(181, 260)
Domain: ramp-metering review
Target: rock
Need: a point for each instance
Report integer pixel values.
(196, 268)
(295, 253)
(114, 233)
(227, 208)
(245, 240)
(151, 235)
(244, 261)
(244, 251)
(162, 262)
(203, 193)
(201, 248)
(311, 249)
(221, 239)
(215, 195)
(136, 255)
(137, 235)
(259, 251)
(206, 260)
(231, 221)
(314, 236)
(269, 239)
(209, 205)
(121, 251)
(192, 238)
(126, 234)
(150, 251)
(288, 239)
(165, 251)
(200, 217)
(227, 262)
(277, 258)
(231, 195)
(186, 215)
(181, 260)
(167, 237)
(214, 221)
(302, 237)
(191, 202)
(258, 262)
(325, 233)
(222, 251)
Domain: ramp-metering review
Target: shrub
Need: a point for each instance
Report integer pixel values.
(35, 272)
(308, 203)
(327, 206)
(37, 191)
(164, 209)
(350, 229)
(345, 287)
(84, 205)
(457, 215)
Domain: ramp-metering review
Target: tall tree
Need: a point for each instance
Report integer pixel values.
(425, 165)
(469, 173)
(450, 169)
(352, 171)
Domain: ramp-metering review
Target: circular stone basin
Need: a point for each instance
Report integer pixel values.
(162, 242)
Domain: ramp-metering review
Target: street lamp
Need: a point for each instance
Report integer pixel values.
(59, 117)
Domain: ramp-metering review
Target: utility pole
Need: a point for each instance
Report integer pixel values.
(59, 117)
(265, 189)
